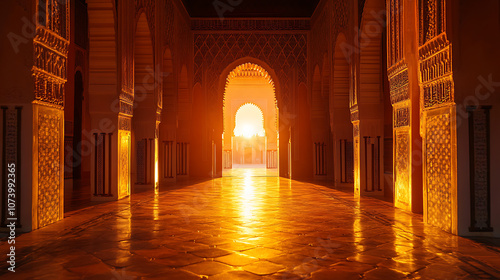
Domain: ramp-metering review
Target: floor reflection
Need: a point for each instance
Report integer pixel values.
(249, 225)
(250, 171)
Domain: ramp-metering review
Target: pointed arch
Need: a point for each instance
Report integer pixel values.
(263, 66)
(144, 125)
(340, 116)
(103, 68)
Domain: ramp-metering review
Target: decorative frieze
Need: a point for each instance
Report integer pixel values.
(51, 40)
(127, 95)
(48, 89)
(250, 24)
(354, 115)
(50, 47)
(399, 83)
(126, 108)
(402, 117)
(286, 54)
(436, 74)
(437, 93)
(49, 62)
(124, 123)
(435, 59)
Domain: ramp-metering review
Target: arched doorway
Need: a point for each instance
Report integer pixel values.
(250, 117)
(144, 125)
(168, 125)
(375, 141)
(340, 118)
(249, 141)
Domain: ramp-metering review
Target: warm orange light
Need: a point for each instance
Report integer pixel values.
(249, 121)
(248, 131)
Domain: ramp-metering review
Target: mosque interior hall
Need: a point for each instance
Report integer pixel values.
(249, 139)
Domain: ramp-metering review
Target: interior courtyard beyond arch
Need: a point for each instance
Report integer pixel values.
(191, 139)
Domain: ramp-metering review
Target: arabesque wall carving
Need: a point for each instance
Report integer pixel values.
(436, 72)
(285, 53)
(402, 191)
(438, 166)
(49, 71)
(49, 167)
(124, 138)
(437, 99)
(399, 83)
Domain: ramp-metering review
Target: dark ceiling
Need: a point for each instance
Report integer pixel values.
(250, 8)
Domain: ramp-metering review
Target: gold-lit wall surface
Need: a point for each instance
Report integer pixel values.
(402, 192)
(49, 72)
(48, 177)
(438, 123)
(124, 164)
(357, 160)
(405, 99)
(400, 98)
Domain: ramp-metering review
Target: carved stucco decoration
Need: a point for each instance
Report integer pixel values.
(438, 169)
(437, 105)
(249, 70)
(402, 190)
(50, 50)
(285, 53)
(49, 167)
(436, 74)
(432, 14)
(394, 28)
(49, 69)
(124, 163)
(250, 24)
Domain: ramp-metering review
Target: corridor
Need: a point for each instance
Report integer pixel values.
(248, 227)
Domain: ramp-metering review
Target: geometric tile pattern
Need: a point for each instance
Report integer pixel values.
(283, 52)
(124, 163)
(438, 171)
(402, 190)
(49, 169)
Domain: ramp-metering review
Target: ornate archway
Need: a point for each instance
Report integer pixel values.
(250, 83)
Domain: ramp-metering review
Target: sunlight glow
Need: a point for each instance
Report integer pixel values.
(248, 131)
(249, 121)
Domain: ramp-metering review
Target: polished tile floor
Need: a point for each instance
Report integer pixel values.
(247, 227)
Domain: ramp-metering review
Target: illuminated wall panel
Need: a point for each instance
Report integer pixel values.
(124, 150)
(402, 191)
(48, 156)
(50, 46)
(440, 186)
(357, 159)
